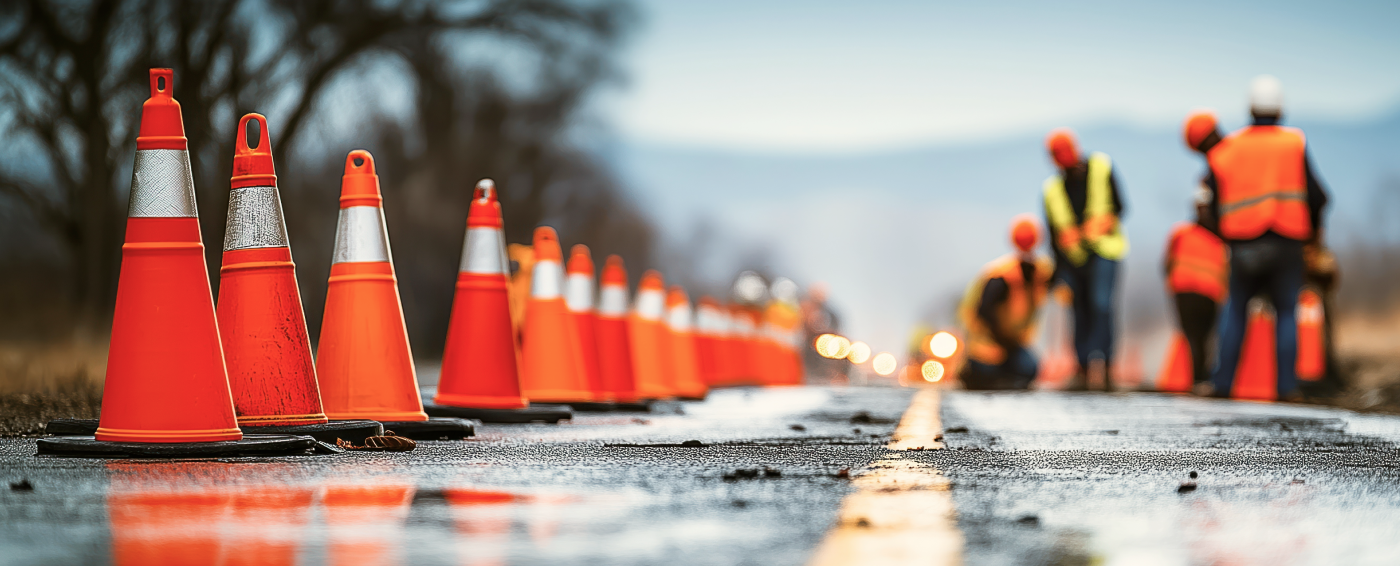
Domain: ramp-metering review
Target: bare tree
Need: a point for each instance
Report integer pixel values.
(73, 75)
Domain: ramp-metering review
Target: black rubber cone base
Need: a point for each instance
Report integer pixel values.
(351, 431)
(637, 407)
(432, 429)
(533, 414)
(251, 445)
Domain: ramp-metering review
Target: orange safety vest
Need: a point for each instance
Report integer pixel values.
(1016, 315)
(1260, 183)
(1196, 262)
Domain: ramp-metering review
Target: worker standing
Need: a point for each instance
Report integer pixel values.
(1269, 204)
(999, 312)
(1196, 263)
(1083, 208)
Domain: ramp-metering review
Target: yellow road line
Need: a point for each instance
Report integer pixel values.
(901, 512)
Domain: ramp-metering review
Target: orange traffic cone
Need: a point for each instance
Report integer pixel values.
(747, 350)
(266, 347)
(364, 363)
(614, 345)
(1176, 367)
(578, 297)
(1256, 376)
(552, 369)
(710, 330)
(1312, 344)
(165, 367)
(651, 359)
(479, 363)
(685, 361)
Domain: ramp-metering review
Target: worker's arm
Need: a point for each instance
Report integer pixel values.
(993, 294)
(1061, 261)
(1317, 196)
(1212, 223)
(1171, 251)
(1118, 205)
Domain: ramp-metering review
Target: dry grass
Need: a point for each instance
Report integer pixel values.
(40, 382)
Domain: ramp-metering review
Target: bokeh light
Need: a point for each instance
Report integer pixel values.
(932, 370)
(832, 346)
(884, 363)
(943, 345)
(860, 351)
(822, 344)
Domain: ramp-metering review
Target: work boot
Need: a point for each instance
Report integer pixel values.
(1078, 382)
(1203, 389)
(1098, 373)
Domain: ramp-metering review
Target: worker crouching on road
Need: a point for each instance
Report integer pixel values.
(1196, 263)
(1269, 205)
(999, 313)
(1083, 208)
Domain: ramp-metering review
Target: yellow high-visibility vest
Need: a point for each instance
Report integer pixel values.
(1016, 316)
(1100, 232)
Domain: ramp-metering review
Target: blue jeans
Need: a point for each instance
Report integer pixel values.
(1093, 284)
(1273, 265)
(1017, 371)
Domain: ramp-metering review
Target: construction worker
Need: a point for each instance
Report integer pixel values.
(1083, 208)
(1196, 263)
(999, 312)
(1269, 204)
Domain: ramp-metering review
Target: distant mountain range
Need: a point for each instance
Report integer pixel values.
(897, 234)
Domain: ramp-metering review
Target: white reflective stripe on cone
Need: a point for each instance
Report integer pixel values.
(612, 302)
(360, 235)
(651, 305)
(578, 292)
(679, 318)
(547, 280)
(162, 185)
(709, 321)
(254, 219)
(481, 252)
(743, 326)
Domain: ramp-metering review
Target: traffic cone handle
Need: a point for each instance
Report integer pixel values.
(360, 184)
(252, 166)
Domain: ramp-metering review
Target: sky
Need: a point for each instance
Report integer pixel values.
(819, 75)
(757, 98)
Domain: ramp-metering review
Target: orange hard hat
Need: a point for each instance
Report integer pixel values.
(1198, 126)
(1025, 232)
(1063, 147)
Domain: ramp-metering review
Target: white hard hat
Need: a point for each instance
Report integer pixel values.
(1265, 96)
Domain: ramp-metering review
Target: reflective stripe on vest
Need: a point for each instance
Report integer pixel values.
(1261, 184)
(1100, 230)
(1198, 263)
(1016, 315)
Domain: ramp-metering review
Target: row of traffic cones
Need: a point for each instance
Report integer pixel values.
(584, 353)
(180, 371)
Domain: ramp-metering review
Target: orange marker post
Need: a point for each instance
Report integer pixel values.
(165, 367)
(365, 365)
(552, 370)
(266, 346)
(479, 365)
(1176, 375)
(1256, 376)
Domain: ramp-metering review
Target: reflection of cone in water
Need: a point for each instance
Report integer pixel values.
(483, 520)
(685, 361)
(266, 347)
(153, 525)
(614, 345)
(651, 360)
(1176, 367)
(165, 367)
(710, 331)
(552, 368)
(366, 522)
(364, 362)
(578, 297)
(479, 363)
(1256, 375)
(1312, 345)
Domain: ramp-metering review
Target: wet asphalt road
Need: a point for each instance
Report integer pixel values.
(1034, 478)
(610, 488)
